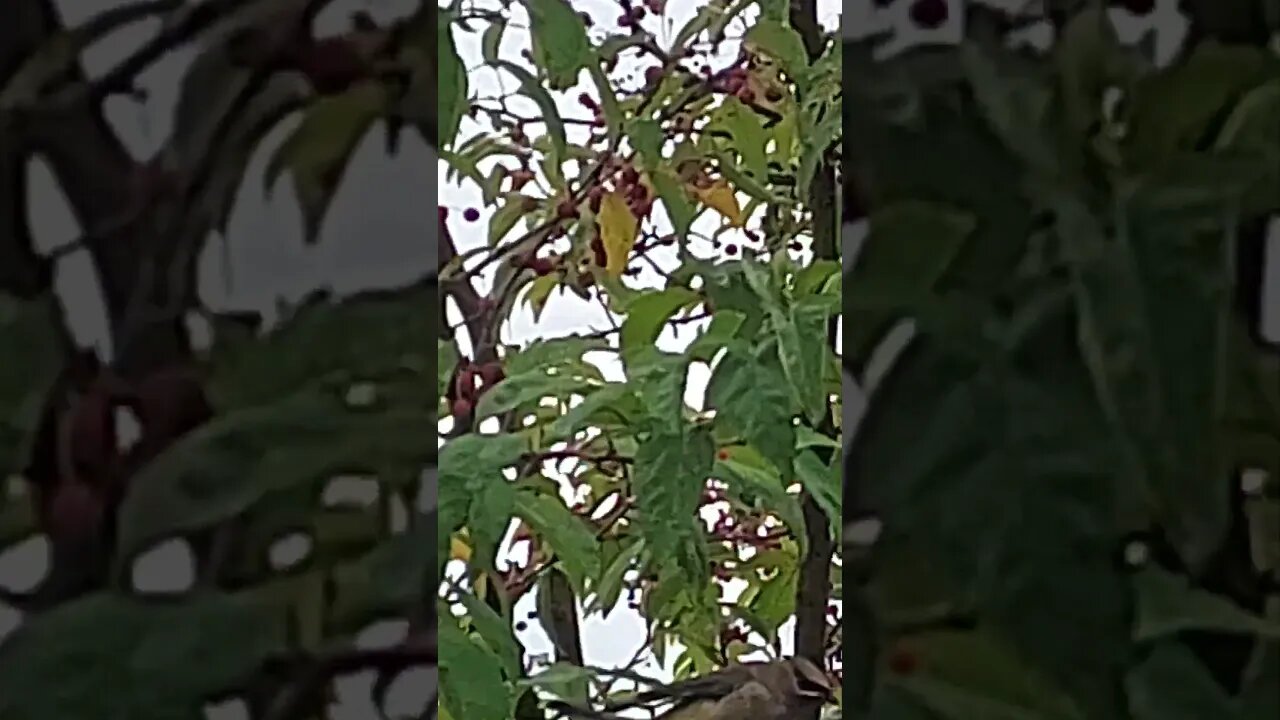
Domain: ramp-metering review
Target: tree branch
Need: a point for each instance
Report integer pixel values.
(813, 588)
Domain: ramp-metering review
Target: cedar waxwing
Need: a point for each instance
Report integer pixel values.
(778, 690)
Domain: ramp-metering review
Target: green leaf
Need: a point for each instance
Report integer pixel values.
(748, 137)
(749, 393)
(1176, 108)
(226, 466)
(471, 682)
(110, 657)
(566, 352)
(317, 153)
(549, 114)
(609, 588)
(520, 391)
(560, 677)
(783, 43)
(389, 581)
(1167, 605)
(496, 633)
(1252, 124)
(979, 664)
(671, 470)
(721, 332)
(468, 465)
(648, 314)
(823, 482)
(1153, 333)
(1016, 106)
(376, 336)
(453, 86)
(560, 42)
(775, 601)
(751, 476)
(33, 354)
(802, 347)
(1172, 684)
(907, 253)
(1007, 476)
(573, 543)
(514, 208)
(491, 41)
(613, 405)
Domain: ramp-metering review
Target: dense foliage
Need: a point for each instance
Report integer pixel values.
(610, 214)
(1066, 456)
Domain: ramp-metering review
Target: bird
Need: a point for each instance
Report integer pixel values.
(774, 690)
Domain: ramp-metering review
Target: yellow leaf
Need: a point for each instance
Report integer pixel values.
(459, 549)
(721, 197)
(618, 228)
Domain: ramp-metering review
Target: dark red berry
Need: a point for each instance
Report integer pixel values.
(566, 210)
(471, 215)
(625, 20)
(653, 74)
(462, 408)
(930, 14)
(903, 662)
(723, 455)
(731, 249)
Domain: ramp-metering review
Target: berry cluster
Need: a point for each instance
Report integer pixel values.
(622, 177)
(468, 384)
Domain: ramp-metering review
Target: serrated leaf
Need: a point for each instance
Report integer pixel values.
(567, 535)
(670, 472)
